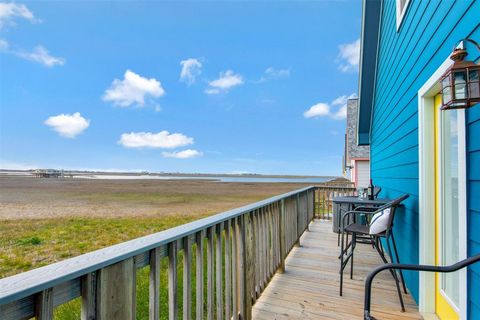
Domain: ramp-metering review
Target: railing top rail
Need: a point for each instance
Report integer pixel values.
(27, 283)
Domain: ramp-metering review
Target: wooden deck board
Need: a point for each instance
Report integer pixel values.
(309, 287)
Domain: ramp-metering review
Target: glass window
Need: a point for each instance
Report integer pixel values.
(460, 85)
(446, 90)
(474, 84)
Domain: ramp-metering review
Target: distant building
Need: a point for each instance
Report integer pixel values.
(356, 165)
(47, 173)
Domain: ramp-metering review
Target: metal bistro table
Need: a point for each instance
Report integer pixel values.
(344, 204)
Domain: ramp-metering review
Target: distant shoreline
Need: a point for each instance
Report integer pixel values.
(177, 174)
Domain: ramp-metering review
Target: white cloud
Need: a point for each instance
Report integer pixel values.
(212, 91)
(10, 11)
(68, 125)
(317, 110)
(191, 68)
(273, 74)
(341, 100)
(3, 45)
(185, 154)
(325, 109)
(162, 139)
(277, 73)
(341, 113)
(133, 89)
(349, 56)
(227, 79)
(41, 55)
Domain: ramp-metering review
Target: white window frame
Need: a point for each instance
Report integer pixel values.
(401, 12)
(427, 195)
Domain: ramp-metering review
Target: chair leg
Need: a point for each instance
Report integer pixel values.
(341, 266)
(354, 243)
(394, 275)
(398, 261)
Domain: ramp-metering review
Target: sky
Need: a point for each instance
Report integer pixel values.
(199, 87)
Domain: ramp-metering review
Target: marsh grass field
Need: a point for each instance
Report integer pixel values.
(47, 220)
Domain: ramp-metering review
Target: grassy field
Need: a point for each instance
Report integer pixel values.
(48, 220)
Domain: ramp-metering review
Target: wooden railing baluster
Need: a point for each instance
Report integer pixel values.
(210, 268)
(218, 271)
(154, 285)
(242, 286)
(257, 266)
(44, 305)
(89, 296)
(199, 275)
(187, 279)
(234, 269)
(172, 281)
(228, 269)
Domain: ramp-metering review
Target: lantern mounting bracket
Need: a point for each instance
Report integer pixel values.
(475, 43)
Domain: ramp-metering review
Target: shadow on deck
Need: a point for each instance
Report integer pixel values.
(309, 287)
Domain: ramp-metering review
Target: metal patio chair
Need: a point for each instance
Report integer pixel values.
(360, 233)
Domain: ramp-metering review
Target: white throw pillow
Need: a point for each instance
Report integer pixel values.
(379, 222)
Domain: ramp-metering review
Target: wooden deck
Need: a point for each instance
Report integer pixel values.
(309, 287)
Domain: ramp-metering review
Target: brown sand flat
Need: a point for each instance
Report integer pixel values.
(40, 198)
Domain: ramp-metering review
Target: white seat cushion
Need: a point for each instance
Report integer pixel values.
(379, 222)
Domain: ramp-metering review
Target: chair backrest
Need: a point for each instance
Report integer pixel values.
(376, 191)
(393, 205)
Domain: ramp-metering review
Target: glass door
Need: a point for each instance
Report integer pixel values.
(447, 210)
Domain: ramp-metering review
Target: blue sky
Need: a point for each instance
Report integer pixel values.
(220, 87)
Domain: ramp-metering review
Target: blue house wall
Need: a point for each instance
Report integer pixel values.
(406, 59)
(473, 222)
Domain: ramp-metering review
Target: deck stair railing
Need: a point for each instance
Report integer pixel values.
(412, 267)
(235, 253)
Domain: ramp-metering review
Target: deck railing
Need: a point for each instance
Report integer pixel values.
(324, 196)
(244, 248)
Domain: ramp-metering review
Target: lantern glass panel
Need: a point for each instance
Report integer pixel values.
(446, 90)
(474, 83)
(460, 85)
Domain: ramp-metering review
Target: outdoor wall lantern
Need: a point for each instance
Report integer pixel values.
(460, 83)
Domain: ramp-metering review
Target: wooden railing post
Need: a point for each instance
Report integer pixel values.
(116, 291)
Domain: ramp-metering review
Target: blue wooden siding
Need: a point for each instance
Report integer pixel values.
(473, 222)
(406, 60)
